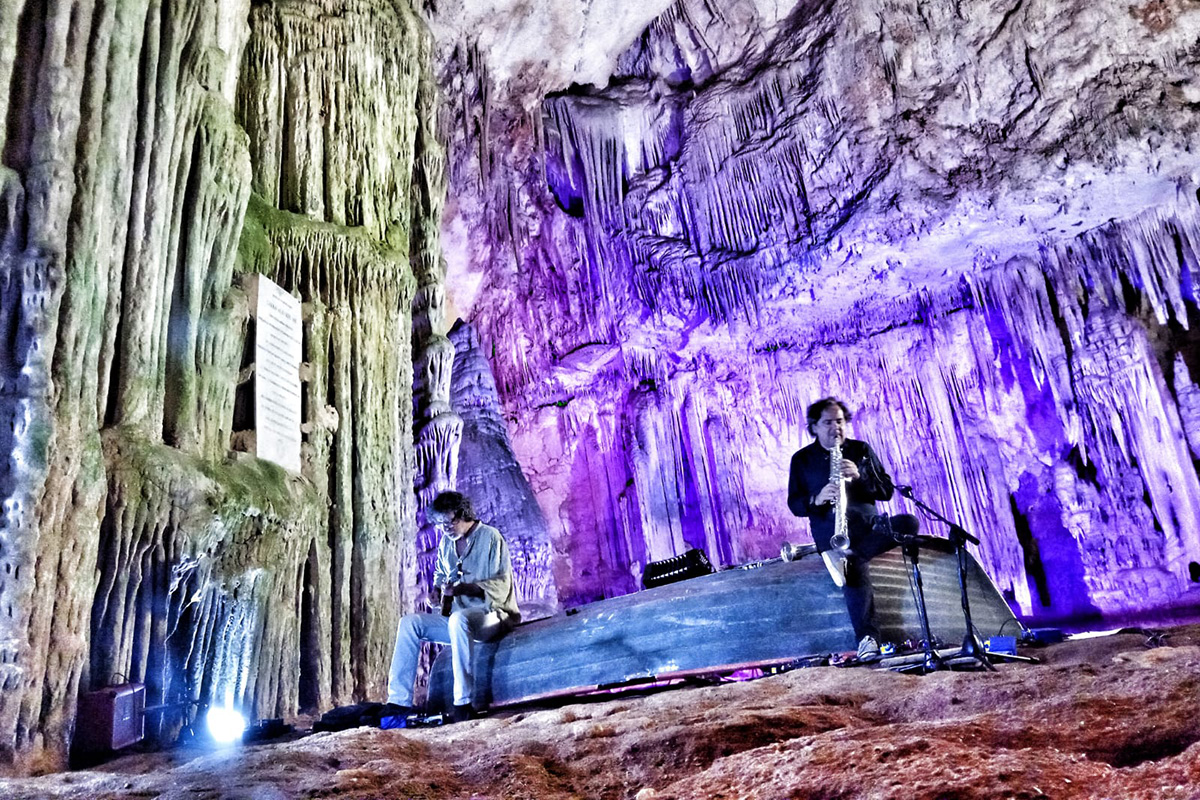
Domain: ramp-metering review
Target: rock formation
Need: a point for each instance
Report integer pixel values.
(154, 155)
(976, 222)
(670, 226)
(490, 475)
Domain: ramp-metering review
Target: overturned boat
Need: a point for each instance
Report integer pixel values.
(755, 616)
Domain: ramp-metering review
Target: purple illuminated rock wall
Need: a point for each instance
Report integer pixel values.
(489, 474)
(977, 223)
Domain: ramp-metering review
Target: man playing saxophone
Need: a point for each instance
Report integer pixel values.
(835, 482)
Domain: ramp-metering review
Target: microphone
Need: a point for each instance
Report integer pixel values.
(906, 491)
(900, 527)
(905, 527)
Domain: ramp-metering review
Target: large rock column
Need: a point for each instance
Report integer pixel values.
(133, 545)
(110, 131)
(335, 99)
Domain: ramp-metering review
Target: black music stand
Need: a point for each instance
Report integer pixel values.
(971, 648)
(932, 661)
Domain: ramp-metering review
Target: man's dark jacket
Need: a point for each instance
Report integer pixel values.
(809, 474)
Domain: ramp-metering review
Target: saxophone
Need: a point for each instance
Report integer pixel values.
(841, 530)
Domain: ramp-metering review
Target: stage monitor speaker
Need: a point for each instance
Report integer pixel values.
(689, 564)
(1043, 636)
(1004, 645)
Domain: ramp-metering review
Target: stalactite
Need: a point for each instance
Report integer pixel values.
(1030, 390)
(676, 213)
(1188, 395)
(331, 132)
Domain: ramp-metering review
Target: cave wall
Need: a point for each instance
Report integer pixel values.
(489, 473)
(155, 156)
(977, 222)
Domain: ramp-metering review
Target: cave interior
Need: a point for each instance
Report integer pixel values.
(587, 262)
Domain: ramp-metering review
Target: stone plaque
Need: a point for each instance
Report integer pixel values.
(277, 353)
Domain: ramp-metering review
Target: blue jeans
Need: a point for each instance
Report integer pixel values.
(460, 630)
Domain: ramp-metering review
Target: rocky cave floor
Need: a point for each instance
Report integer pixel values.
(1106, 717)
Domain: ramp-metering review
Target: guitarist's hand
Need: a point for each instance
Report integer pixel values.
(431, 600)
(465, 590)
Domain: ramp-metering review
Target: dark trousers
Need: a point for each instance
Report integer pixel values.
(866, 542)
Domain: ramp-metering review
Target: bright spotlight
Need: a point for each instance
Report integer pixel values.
(225, 725)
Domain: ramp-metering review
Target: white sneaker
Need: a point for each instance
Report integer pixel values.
(868, 649)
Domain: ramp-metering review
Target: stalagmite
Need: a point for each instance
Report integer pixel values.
(489, 473)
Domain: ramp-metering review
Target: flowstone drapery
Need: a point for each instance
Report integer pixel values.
(197, 560)
(135, 547)
(357, 294)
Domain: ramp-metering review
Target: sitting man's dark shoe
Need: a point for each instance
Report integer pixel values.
(393, 710)
(392, 715)
(462, 713)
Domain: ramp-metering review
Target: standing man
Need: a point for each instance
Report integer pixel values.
(473, 577)
(813, 493)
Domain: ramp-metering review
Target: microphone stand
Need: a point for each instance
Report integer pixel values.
(972, 648)
(933, 662)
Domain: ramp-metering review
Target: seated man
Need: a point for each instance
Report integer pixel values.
(814, 494)
(474, 577)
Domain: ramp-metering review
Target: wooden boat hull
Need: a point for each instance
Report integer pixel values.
(739, 618)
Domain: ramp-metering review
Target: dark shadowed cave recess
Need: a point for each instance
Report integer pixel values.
(588, 261)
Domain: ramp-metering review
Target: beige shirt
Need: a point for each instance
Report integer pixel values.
(484, 562)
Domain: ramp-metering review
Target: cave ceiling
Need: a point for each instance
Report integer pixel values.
(826, 158)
